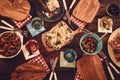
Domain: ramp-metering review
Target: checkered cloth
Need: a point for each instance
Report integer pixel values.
(78, 76)
(78, 22)
(20, 24)
(40, 60)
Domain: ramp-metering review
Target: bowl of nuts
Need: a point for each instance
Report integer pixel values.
(90, 43)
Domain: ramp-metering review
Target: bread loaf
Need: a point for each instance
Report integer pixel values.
(29, 71)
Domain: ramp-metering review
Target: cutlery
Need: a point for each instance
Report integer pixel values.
(105, 58)
(6, 23)
(102, 54)
(53, 73)
(68, 10)
(103, 36)
(11, 28)
(6, 28)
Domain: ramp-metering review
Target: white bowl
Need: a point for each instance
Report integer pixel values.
(21, 39)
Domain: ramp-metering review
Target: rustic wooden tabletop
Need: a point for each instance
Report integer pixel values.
(8, 65)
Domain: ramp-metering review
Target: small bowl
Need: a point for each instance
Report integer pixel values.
(98, 47)
(112, 10)
(70, 55)
(37, 23)
(32, 45)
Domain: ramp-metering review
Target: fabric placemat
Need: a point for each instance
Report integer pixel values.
(78, 22)
(20, 24)
(33, 31)
(77, 76)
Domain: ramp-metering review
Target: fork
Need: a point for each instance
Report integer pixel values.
(53, 63)
(11, 28)
(102, 54)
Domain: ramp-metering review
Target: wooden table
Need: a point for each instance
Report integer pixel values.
(8, 65)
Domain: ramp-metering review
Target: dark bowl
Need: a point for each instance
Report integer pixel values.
(60, 12)
(112, 10)
(70, 55)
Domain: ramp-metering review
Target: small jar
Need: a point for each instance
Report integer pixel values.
(37, 23)
(112, 10)
(70, 55)
(32, 45)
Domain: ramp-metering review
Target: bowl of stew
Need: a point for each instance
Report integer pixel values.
(90, 43)
(10, 44)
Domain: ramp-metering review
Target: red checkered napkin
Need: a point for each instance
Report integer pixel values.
(20, 24)
(78, 22)
(40, 60)
(78, 76)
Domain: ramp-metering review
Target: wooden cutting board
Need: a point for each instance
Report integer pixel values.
(86, 10)
(15, 9)
(90, 68)
(29, 71)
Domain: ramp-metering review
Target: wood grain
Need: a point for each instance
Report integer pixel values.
(17, 10)
(90, 68)
(86, 10)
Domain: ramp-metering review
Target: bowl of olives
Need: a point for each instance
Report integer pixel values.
(90, 43)
(112, 9)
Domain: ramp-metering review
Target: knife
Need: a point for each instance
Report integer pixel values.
(67, 10)
(6, 28)
(53, 73)
(110, 72)
(108, 65)
(106, 59)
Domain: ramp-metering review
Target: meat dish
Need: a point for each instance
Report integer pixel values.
(10, 44)
(115, 45)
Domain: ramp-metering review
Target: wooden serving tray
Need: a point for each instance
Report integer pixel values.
(15, 9)
(86, 10)
(90, 68)
(51, 48)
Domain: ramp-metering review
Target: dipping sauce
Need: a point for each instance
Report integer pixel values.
(32, 45)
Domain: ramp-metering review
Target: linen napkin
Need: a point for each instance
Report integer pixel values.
(22, 23)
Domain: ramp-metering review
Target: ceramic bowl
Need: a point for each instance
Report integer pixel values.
(37, 23)
(10, 45)
(70, 55)
(112, 9)
(99, 44)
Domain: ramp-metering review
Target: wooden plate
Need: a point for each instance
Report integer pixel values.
(110, 50)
